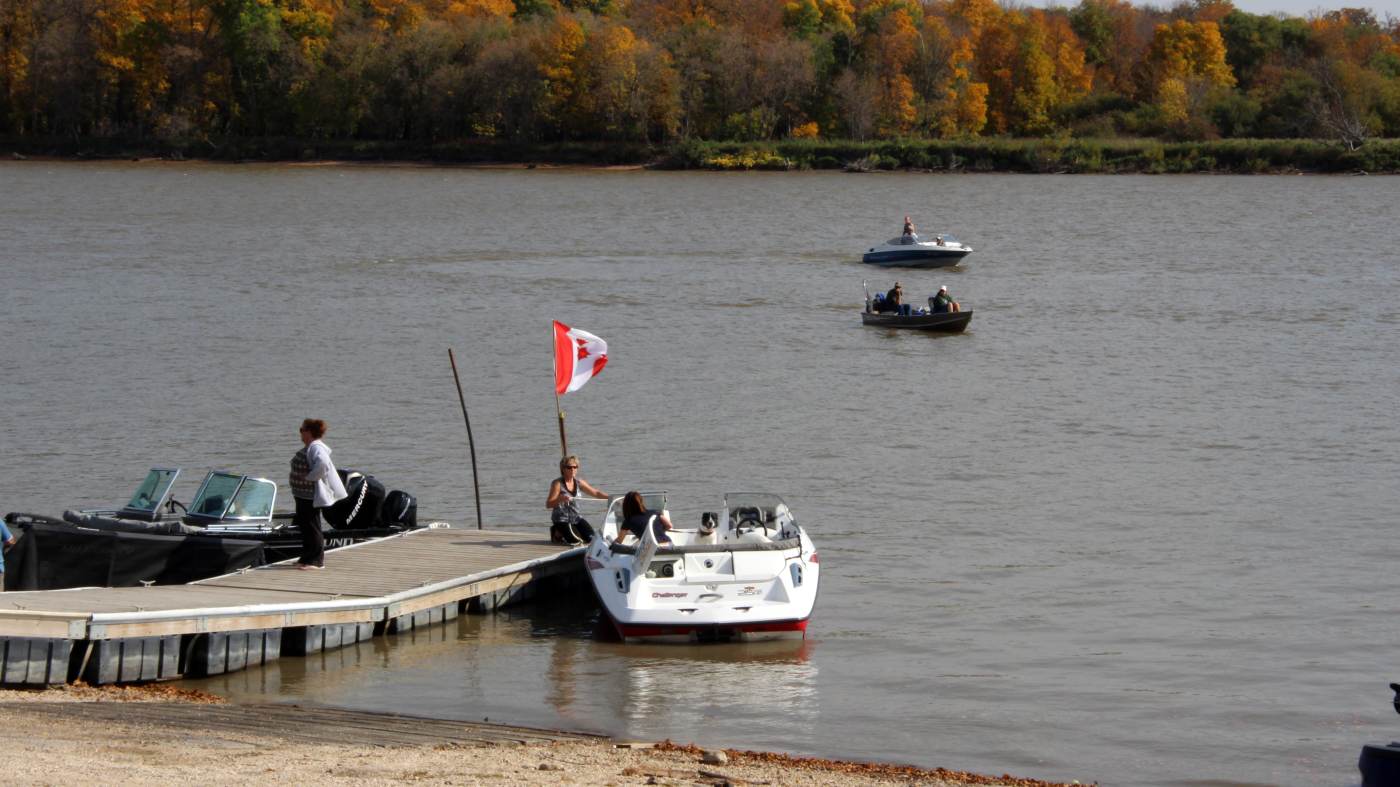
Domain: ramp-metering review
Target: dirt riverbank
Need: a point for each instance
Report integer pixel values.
(86, 735)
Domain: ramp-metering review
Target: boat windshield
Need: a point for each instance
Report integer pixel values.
(151, 494)
(237, 497)
(758, 508)
(903, 240)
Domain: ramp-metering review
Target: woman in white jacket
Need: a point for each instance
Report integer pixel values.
(315, 485)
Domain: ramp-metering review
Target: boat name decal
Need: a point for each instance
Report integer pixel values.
(749, 590)
(669, 595)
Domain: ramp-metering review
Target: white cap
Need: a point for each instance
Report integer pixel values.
(944, 288)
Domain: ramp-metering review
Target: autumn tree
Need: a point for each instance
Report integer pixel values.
(1185, 64)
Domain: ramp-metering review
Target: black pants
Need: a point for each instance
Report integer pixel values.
(313, 543)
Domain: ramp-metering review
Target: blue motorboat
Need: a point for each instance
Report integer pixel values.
(912, 251)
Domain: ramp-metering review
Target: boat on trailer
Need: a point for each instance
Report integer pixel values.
(749, 572)
(231, 523)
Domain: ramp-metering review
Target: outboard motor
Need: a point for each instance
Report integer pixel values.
(400, 510)
(361, 506)
(1380, 762)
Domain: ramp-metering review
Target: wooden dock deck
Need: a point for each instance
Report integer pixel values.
(227, 623)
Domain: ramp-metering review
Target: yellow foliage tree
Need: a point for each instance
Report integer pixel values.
(1187, 61)
(1183, 49)
(397, 15)
(897, 111)
(557, 52)
(963, 110)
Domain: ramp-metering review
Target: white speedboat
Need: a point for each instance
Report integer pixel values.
(748, 573)
(911, 251)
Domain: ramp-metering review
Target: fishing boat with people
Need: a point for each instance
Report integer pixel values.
(231, 523)
(941, 314)
(749, 572)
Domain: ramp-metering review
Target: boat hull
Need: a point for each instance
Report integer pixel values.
(915, 258)
(947, 322)
(52, 554)
(710, 632)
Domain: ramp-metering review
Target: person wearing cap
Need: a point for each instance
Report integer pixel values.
(942, 303)
(895, 297)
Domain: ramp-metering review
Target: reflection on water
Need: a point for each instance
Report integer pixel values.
(748, 694)
(710, 689)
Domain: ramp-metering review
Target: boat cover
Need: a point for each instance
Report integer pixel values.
(53, 554)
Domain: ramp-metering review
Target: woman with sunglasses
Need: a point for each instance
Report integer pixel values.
(315, 486)
(567, 527)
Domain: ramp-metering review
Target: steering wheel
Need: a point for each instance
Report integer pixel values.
(170, 506)
(750, 522)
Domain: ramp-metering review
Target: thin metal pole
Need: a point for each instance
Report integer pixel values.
(476, 484)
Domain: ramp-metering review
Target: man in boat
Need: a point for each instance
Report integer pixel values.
(908, 235)
(895, 298)
(942, 303)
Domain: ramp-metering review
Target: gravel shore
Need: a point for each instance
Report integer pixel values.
(44, 749)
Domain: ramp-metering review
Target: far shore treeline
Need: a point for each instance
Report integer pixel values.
(963, 85)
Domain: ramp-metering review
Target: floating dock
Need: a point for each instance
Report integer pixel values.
(228, 623)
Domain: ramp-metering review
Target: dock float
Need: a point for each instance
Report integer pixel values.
(228, 623)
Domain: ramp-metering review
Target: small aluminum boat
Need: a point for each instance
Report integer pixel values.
(748, 573)
(911, 251)
(948, 322)
(917, 320)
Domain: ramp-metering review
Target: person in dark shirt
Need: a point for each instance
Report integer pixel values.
(942, 303)
(895, 298)
(636, 517)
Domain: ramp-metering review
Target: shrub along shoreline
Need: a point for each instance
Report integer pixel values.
(1073, 156)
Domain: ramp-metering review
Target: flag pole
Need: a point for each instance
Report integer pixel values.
(554, 358)
(563, 441)
(476, 485)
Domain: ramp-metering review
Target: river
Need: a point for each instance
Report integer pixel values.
(1132, 527)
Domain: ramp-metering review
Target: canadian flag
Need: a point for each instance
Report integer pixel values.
(578, 355)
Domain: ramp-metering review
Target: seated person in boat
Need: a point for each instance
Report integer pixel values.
(636, 517)
(908, 236)
(895, 298)
(943, 303)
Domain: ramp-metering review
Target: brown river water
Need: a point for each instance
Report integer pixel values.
(1135, 526)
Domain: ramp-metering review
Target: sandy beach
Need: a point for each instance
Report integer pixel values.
(61, 745)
